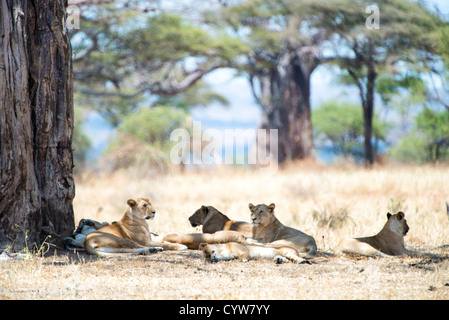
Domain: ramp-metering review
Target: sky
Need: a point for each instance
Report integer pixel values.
(242, 111)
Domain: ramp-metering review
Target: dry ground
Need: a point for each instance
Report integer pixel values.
(330, 203)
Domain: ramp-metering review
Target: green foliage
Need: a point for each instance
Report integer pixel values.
(341, 124)
(389, 85)
(143, 139)
(198, 95)
(149, 46)
(119, 52)
(380, 60)
(268, 28)
(410, 149)
(170, 38)
(409, 38)
(434, 126)
(428, 141)
(153, 126)
(124, 57)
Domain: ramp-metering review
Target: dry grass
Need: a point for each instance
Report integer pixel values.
(330, 203)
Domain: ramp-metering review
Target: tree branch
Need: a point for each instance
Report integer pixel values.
(87, 52)
(174, 87)
(359, 85)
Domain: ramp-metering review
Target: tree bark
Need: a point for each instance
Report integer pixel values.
(368, 113)
(36, 123)
(286, 105)
(366, 92)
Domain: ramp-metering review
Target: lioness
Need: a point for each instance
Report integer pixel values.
(389, 241)
(213, 220)
(269, 230)
(129, 235)
(245, 252)
(193, 240)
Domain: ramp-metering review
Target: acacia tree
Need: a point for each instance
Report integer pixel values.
(406, 39)
(126, 55)
(36, 122)
(284, 53)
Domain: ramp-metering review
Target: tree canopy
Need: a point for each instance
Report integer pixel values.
(127, 59)
(408, 38)
(124, 56)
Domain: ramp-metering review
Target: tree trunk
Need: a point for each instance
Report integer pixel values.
(36, 123)
(368, 112)
(288, 107)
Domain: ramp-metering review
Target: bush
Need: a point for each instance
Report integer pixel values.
(154, 125)
(143, 138)
(427, 142)
(341, 125)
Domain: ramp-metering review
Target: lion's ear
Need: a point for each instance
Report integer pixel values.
(388, 215)
(132, 203)
(250, 206)
(204, 209)
(202, 246)
(401, 215)
(271, 207)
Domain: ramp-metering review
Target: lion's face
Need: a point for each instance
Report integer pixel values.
(198, 218)
(141, 208)
(211, 252)
(397, 223)
(261, 214)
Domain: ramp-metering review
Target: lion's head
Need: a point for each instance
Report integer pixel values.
(211, 252)
(141, 208)
(198, 218)
(397, 223)
(262, 214)
(208, 217)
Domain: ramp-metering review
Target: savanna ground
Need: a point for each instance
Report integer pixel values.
(330, 203)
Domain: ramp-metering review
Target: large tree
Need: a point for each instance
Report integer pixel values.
(36, 122)
(405, 41)
(284, 53)
(127, 56)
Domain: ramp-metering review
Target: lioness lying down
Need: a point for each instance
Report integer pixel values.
(245, 252)
(193, 240)
(129, 235)
(217, 228)
(270, 231)
(213, 220)
(389, 240)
